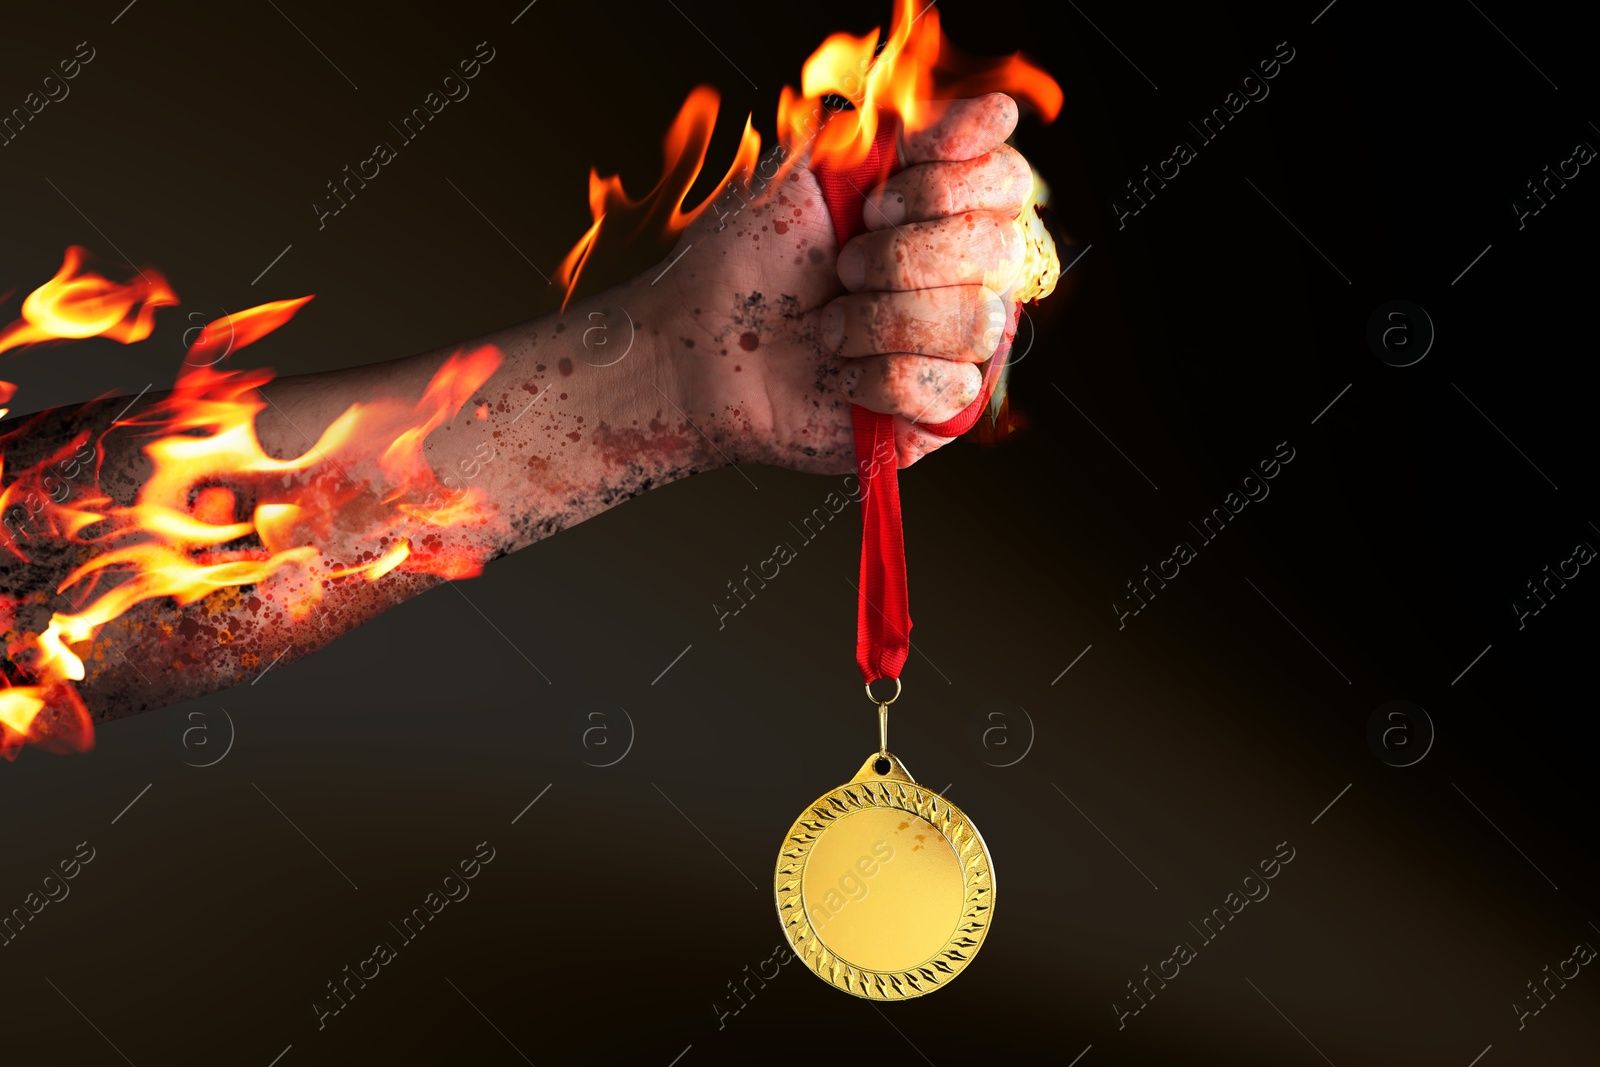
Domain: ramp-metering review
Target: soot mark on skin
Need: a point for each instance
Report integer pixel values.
(752, 314)
(228, 638)
(828, 377)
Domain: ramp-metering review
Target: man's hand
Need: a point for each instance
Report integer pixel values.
(767, 332)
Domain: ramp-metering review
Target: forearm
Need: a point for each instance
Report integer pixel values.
(568, 425)
(582, 414)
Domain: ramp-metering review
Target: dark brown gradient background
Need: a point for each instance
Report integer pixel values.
(1220, 722)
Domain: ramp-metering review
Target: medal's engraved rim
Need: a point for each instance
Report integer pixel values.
(978, 894)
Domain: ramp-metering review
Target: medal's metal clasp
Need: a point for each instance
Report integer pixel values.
(883, 715)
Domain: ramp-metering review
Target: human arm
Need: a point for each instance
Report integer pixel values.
(747, 344)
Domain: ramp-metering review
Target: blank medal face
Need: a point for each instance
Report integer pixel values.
(884, 887)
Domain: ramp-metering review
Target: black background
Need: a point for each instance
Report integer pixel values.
(1219, 722)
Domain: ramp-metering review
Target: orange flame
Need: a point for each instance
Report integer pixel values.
(183, 538)
(915, 67)
(51, 715)
(80, 303)
(33, 491)
(660, 211)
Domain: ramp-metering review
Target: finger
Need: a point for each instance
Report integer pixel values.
(912, 442)
(961, 129)
(996, 181)
(959, 322)
(976, 248)
(920, 388)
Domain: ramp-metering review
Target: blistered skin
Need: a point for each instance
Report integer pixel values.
(747, 344)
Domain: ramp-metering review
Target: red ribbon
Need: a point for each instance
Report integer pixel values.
(883, 612)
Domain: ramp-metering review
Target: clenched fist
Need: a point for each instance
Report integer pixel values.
(767, 331)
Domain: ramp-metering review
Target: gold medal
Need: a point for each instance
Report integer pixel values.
(884, 888)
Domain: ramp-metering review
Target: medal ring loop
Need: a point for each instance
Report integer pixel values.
(880, 701)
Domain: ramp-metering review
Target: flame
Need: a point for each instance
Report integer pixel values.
(49, 715)
(18, 708)
(899, 80)
(31, 489)
(80, 303)
(1041, 267)
(660, 211)
(186, 535)
(914, 67)
(168, 546)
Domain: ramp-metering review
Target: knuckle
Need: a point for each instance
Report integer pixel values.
(917, 382)
(861, 333)
(980, 231)
(1009, 239)
(882, 323)
(1000, 252)
(969, 385)
(870, 313)
(898, 255)
(1015, 175)
(1002, 112)
(933, 253)
(905, 330)
(965, 323)
(899, 382)
(985, 324)
(1001, 104)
